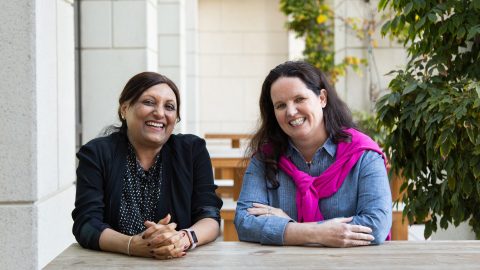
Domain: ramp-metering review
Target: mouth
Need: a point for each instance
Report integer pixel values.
(155, 124)
(297, 122)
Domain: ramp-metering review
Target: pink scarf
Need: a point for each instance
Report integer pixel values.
(311, 189)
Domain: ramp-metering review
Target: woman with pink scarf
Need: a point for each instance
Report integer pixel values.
(313, 178)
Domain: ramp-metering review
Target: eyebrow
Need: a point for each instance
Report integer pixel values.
(150, 96)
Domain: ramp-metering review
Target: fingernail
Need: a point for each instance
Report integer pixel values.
(184, 253)
(185, 247)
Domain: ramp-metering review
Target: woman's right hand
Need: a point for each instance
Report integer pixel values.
(160, 240)
(338, 233)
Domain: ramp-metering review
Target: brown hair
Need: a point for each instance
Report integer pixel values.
(337, 116)
(139, 84)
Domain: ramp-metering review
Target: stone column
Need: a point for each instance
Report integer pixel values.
(37, 149)
(172, 50)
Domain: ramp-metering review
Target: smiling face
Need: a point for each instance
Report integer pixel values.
(298, 110)
(151, 119)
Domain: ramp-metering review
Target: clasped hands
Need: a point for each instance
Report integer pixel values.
(160, 241)
(336, 232)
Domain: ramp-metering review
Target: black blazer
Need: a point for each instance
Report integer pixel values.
(187, 192)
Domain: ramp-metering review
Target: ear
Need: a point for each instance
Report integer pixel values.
(323, 98)
(123, 109)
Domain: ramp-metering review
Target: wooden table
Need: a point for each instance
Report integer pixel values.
(238, 255)
(235, 138)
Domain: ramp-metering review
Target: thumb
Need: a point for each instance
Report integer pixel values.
(165, 220)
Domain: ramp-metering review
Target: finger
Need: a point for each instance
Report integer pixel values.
(150, 229)
(156, 229)
(166, 239)
(360, 229)
(354, 243)
(167, 252)
(259, 205)
(362, 236)
(165, 220)
(257, 211)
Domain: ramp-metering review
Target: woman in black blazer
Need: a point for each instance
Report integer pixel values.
(142, 191)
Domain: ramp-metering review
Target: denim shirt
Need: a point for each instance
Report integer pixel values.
(365, 195)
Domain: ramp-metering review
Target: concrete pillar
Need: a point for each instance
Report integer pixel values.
(37, 149)
(172, 50)
(191, 84)
(114, 47)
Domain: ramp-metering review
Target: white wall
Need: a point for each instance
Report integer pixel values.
(114, 47)
(388, 55)
(37, 150)
(239, 43)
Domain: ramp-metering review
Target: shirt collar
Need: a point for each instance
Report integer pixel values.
(329, 146)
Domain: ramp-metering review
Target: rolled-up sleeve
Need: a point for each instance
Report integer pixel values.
(374, 207)
(261, 229)
(88, 214)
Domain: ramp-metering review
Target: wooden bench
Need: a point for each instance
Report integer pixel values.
(234, 138)
(225, 188)
(399, 227)
(229, 164)
(228, 215)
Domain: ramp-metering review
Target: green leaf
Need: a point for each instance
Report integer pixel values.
(476, 4)
(467, 187)
(408, 8)
(461, 32)
(473, 31)
(443, 222)
(411, 87)
(382, 4)
(385, 28)
(420, 23)
(428, 230)
(451, 183)
(432, 17)
(420, 97)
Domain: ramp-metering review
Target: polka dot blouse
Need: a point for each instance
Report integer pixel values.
(140, 195)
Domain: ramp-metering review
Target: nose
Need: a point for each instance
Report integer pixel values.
(159, 111)
(291, 110)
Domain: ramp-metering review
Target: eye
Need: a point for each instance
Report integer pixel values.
(170, 107)
(148, 102)
(279, 106)
(299, 99)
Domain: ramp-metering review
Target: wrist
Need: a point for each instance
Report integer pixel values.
(186, 240)
(130, 246)
(192, 238)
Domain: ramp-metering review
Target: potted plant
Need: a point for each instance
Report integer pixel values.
(368, 124)
(432, 114)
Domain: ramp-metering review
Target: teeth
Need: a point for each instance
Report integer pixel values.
(155, 124)
(297, 121)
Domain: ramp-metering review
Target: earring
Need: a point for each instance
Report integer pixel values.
(123, 117)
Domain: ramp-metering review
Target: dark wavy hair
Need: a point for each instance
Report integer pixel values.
(337, 116)
(132, 92)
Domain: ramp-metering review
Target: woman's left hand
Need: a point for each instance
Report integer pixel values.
(259, 209)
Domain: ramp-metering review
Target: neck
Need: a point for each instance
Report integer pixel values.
(145, 154)
(308, 147)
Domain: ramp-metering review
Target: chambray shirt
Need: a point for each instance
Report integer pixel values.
(365, 195)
